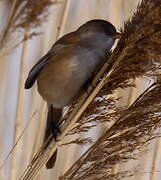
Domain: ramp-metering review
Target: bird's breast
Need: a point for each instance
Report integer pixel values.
(61, 79)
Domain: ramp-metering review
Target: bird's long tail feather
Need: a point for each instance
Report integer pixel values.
(52, 128)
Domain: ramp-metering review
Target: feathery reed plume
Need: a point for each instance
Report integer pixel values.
(24, 14)
(135, 56)
(123, 140)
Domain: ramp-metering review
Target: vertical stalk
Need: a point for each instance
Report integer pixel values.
(156, 160)
(9, 23)
(42, 116)
(20, 107)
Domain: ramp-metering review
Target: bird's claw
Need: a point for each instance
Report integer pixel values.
(55, 130)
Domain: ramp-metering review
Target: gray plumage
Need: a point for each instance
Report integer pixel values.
(68, 65)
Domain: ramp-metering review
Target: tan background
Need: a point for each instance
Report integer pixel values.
(18, 105)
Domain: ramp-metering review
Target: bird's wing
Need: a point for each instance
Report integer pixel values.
(32, 76)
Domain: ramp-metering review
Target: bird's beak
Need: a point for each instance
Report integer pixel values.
(117, 35)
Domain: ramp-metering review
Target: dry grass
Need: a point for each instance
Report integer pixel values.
(24, 14)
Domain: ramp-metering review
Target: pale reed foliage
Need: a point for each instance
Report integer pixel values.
(23, 15)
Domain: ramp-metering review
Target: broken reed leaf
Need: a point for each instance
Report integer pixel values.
(25, 14)
(124, 140)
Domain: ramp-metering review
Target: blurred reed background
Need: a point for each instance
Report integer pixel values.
(19, 106)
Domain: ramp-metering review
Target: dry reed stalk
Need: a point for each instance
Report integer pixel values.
(42, 115)
(20, 105)
(23, 15)
(43, 155)
(156, 160)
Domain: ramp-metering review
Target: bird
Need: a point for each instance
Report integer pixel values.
(70, 63)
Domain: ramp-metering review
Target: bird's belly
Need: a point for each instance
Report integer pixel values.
(60, 94)
(59, 86)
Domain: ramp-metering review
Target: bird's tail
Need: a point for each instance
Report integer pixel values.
(52, 126)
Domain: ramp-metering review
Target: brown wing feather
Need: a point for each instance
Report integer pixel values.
(34, 72)
(61, 43)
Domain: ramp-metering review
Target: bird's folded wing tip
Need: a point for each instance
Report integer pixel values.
(28, 83)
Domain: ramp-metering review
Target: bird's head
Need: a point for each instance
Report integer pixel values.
(99, 32)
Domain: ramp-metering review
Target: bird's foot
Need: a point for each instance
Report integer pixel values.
(55, 130)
